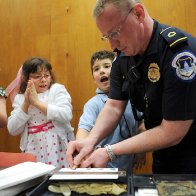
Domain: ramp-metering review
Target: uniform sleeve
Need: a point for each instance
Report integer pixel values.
(60, 108)
(18, 118)
(89, 116)
(179, 93)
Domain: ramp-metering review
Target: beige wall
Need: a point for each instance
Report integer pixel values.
(64, 32)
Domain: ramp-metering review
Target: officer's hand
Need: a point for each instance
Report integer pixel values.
(77, 151)
(99, 158)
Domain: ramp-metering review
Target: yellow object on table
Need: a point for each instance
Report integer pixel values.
(89, 188)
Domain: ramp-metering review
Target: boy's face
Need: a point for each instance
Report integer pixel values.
(101, 74)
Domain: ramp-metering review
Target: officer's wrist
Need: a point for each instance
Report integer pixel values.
(110, 153)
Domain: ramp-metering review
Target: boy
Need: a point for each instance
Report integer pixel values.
(101, 63)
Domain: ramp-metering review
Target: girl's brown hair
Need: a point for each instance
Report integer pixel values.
(31, 66)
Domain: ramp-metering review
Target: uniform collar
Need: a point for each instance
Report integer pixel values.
(153, 44)
(152, 48)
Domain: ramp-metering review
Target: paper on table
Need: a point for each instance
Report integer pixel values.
(23, 172)
(146, 192)
(86, 173)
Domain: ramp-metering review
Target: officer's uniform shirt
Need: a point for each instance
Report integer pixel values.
(166, 88)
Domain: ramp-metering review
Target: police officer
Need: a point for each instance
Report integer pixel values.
(156, 70)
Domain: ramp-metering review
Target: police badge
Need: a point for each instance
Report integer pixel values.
(153, 72)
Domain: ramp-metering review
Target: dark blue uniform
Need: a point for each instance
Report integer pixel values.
(162, 84)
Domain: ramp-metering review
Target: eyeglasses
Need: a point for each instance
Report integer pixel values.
(39, 78)
(115, 34)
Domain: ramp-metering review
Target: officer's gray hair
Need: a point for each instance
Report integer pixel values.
(121, 5)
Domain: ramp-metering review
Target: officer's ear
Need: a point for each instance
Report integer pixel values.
(138, 11)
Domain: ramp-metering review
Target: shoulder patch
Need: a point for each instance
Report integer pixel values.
(173, 36)
(184, 64)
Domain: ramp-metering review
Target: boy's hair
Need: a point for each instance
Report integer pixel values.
(100, 55)
(31, 66)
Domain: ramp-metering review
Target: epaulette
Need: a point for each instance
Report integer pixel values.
(173, 36)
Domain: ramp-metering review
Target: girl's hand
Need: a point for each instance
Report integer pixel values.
(26, 97)
(26, 103)
(33, 96)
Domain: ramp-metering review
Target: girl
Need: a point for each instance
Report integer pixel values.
(42, 114)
